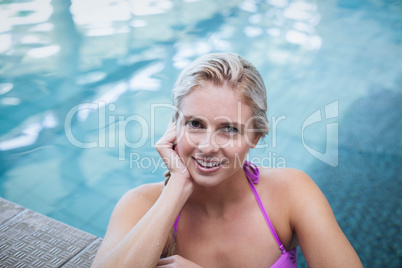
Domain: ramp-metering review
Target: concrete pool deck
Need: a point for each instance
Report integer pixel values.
(30, 239)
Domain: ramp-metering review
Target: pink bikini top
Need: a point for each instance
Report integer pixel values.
(288, 259)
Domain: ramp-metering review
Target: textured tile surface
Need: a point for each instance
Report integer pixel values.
(8, 210)
(29, 239)
(85, 257)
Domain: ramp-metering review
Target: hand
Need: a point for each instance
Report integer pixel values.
(169, 155)
(176, 261)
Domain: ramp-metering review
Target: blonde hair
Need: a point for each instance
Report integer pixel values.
(222, 69)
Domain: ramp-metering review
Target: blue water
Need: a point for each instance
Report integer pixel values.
(85, 92)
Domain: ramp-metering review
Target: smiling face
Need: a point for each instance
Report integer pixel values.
(215, 134)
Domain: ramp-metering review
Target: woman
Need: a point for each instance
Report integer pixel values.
(216, 209)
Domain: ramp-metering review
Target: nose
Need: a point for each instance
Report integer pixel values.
(207, 145)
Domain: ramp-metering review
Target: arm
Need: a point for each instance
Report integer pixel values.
(139, 226)
(137, 240)
(321, 239)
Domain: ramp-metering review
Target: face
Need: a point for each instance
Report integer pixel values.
(215, 133)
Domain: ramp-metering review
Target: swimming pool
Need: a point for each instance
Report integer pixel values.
(84, 96)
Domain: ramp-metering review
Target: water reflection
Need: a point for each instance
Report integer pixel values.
(10, 101)
(5, 42)
(43, 52)
(25, 13)
(90, 77)
(30, 133)
(5, 87)
(151, 7)
(73, 58)
(43, 27)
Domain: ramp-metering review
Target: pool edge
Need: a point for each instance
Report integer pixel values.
(29, 238)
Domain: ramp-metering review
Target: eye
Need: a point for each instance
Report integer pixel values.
(194, 124)
(231, 130)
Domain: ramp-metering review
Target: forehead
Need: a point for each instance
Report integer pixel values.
(216, 103)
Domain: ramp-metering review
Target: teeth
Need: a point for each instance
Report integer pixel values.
(209, 165)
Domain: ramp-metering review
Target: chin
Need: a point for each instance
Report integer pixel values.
(205, 180)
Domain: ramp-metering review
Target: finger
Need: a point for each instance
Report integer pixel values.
(171, 126)
(163, 266)
(167, 140)
(165, 261)
(170, 132)
(168, 152)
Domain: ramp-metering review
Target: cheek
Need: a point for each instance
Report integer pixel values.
(184, 147)
(235, 142)
(193, 139)
(236, 146)
(224, 140)
(240, 147)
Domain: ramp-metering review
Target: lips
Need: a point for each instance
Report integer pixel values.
(207, 166)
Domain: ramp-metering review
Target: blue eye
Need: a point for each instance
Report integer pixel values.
(231, 130)
(194, 124)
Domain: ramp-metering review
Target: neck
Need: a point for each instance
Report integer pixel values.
(222, 199)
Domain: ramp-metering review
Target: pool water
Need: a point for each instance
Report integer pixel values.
(85, 93)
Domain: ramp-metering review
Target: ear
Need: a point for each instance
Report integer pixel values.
(255, 140)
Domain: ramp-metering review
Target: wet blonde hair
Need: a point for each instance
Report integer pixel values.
(222, 69)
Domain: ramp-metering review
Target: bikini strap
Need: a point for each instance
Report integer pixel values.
(252, 174)
(175, 225)
(251, 171)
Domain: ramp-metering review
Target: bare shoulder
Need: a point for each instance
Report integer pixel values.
(310, 217)
(135, 204)
(300, 193)
(149, 190)
(129, 210)
(294, 188)
(144, 195)
(282, 172)
(288, 179)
